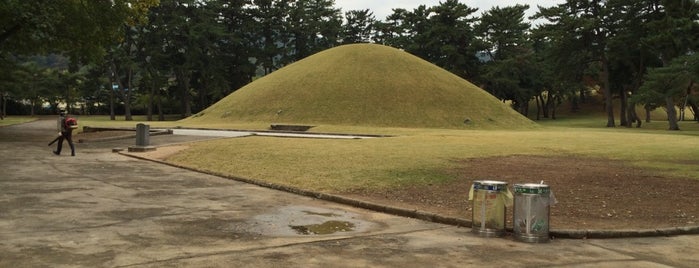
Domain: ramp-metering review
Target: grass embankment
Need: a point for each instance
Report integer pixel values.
(367, 85)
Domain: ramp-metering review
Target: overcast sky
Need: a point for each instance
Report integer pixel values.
(383, 8)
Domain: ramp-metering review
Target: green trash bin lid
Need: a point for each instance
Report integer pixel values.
(532, 188)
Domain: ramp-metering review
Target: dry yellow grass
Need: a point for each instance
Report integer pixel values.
(425, 156)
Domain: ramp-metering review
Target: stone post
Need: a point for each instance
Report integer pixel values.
(142, 139)
(142, 135)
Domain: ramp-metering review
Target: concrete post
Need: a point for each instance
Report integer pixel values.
(142, 139)
(142, 135)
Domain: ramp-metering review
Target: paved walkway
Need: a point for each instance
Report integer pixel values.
(101, 209)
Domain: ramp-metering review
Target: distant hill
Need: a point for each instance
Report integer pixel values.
(364, 85)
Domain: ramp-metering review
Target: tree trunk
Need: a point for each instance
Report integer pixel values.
(538, 107)
(554, 106)
(127, 95)
(624, 98)
(112, 115)
(671, 114)
(683, 109)
(151, 96)
(545, 103)
(695, 110)
(183, 77)
(203, 95)
(149, 105)
(186, 101)
(524, 108)
(574, 107)
(67, 96)
(608, 104)
(632, 116)
(33, 109)
(86, 110)
(635, 117)
(2, 106)
(161, 115)
(647, 108)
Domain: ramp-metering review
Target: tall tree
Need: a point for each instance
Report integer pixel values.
(395, 31)
(154, 61)
(186, 41)
(209, 36)
(124, 69)
(510, 68)
(417, 25)
(628, 58)
(451, 38)
(359, 26)
(673, 32)
(581, 30)
(270, 32)
(314, 25)
(440, 34)
(81, 29)
(665, 83)
(503, 31)
(237, 45)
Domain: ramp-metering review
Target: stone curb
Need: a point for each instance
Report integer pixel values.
(286, 131)
(427, 216)
(128, 136)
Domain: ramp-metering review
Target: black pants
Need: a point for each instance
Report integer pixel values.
(67, 135)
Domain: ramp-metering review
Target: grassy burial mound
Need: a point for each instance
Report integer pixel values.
(364, 85)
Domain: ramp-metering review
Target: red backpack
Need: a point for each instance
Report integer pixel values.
(71, 122)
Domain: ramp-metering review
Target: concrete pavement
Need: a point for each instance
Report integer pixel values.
(101, 209)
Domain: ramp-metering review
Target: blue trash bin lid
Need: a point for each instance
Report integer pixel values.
(490, 185)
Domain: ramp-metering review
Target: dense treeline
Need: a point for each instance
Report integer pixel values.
(180, 56)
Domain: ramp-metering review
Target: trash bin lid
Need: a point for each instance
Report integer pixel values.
(490, 185)
(532, 188)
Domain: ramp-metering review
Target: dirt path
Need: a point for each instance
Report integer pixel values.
(591, 193)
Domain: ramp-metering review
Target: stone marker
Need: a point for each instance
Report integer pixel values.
(142, 139)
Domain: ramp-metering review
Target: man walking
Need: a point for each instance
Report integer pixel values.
(66, 132)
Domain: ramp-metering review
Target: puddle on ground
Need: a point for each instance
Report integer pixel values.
(322, 214)
(309, 221)
(328, 227)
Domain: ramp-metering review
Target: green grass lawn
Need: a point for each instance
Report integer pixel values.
(420, 155)
(13, 120)
(415, 156)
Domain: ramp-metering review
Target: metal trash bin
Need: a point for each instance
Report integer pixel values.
(489, 201)
(532, 206)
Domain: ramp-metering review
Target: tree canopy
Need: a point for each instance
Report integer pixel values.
(180, 56)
